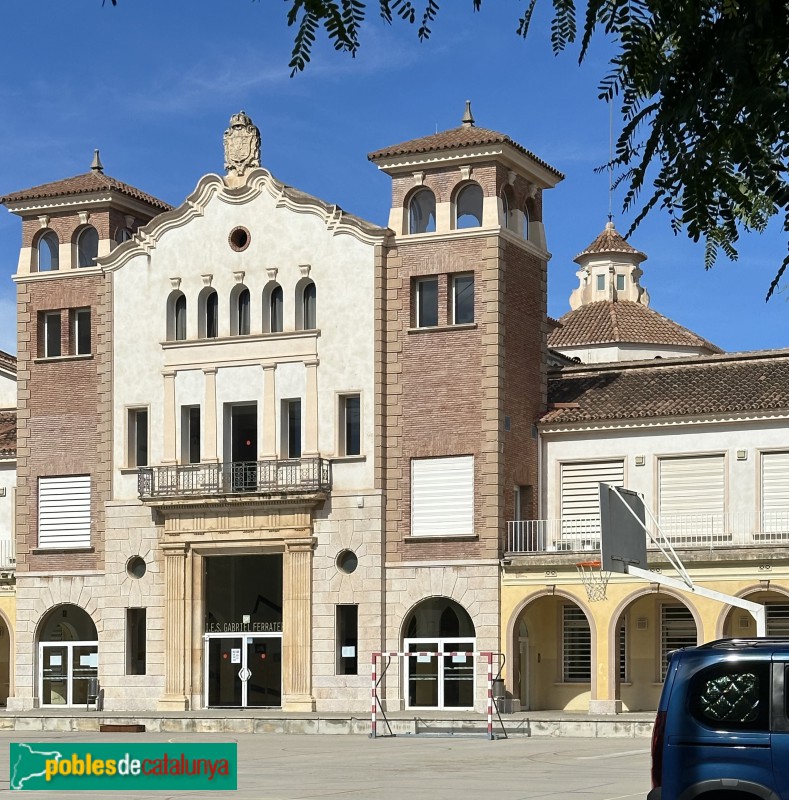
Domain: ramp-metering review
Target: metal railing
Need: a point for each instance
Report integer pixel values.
(682, 530)
(7, 555)
(271, 476)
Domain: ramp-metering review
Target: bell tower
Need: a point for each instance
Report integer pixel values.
(464, 338)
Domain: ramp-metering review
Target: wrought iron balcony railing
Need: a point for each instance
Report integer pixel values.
(269, 477)
(682, 530)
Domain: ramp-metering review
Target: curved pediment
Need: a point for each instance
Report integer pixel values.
(259, 181)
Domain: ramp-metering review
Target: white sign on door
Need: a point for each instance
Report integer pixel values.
(235, 655)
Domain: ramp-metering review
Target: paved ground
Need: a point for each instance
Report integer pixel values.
(285, 767)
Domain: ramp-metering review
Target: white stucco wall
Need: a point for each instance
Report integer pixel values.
(604, 353)
(7, 389)
(340, 265)
(743, 477)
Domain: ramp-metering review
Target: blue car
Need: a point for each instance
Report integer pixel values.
(722, 726)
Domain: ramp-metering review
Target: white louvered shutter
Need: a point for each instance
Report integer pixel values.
(775, 492)
(692, 495)
(64, 511)
(581, 486)
(442, 496)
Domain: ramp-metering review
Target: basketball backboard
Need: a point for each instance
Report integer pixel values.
(623, 537)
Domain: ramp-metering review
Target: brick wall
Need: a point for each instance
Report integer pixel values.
(64, 413)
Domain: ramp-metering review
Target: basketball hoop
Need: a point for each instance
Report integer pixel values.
(594, 579)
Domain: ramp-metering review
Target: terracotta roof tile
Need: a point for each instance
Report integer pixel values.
(610, 241)
(740, 382)
(8, 361)
(7, 433)
(84, 184)
(464, 136)
(622, 321)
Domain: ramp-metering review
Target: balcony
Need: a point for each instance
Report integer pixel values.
(708, 531)
(261, 479)
(7, 561)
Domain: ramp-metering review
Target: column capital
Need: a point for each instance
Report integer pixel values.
(209, 370)
(168, 373)
(175, 549)
(300, 545)
(268, 367)
(313, 362)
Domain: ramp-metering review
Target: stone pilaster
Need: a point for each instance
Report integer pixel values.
(297, 627)
(175, 653)
(170, 452)
(268, 447)
(209, 423)
(311, 410)
(197, 606)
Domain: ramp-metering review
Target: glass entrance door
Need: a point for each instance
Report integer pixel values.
(66, 670)
(440, 682)
(243, 671)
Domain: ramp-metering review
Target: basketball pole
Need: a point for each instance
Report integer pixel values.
(756, 610)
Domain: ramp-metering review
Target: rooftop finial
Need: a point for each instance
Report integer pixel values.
(242, 147)
(468, 119)
(96, 166)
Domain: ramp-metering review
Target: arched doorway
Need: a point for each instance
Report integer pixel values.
(68, 656)
(738, 623)
(439, 625)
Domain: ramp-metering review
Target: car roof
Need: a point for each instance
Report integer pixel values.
(766, 644)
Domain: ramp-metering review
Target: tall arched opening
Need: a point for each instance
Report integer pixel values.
(439, 625)
(68, 656)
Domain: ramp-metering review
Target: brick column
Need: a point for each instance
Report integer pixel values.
(175, 621)
(297, 627)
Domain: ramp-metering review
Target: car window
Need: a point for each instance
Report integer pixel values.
(732, 696)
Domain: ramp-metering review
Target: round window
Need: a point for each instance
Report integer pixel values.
(347, 561)
(136, 567)
(239, 238)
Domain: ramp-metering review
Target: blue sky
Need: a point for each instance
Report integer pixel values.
(152, 83)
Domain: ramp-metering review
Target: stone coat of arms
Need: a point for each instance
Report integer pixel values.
(242, 145)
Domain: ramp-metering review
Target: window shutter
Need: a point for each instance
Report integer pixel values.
(580, 486)
(694, 485)
(64, 511)
(775, 492)
(442, 496)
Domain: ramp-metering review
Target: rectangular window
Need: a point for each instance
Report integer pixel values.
(463, 299)
(600, 283)
(293, 428)
(775, 492)
(64, 512)
(427, 303)
(622, 645)
(347, 640)
(580, 496)
(51, 338)
(777, 619)
(80, 331)
(350, 425)
(620, 283)
(576, 646)
(135, 641)
(137, 451)
(190, 434)
(692, 496)
(677, 629)
(442, 496)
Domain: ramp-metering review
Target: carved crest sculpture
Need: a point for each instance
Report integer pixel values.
(242, 145)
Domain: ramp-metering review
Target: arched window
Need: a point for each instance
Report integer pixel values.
(508, 219)
(239, 311)
(422, 212)
(87, 247)
(122, 235)
(526, 223)
(309, 300)
(468, 207)
(272, 305)
(208, 314)
(176, 317)
(48, 258)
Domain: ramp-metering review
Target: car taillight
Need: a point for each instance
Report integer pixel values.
(658, 732)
